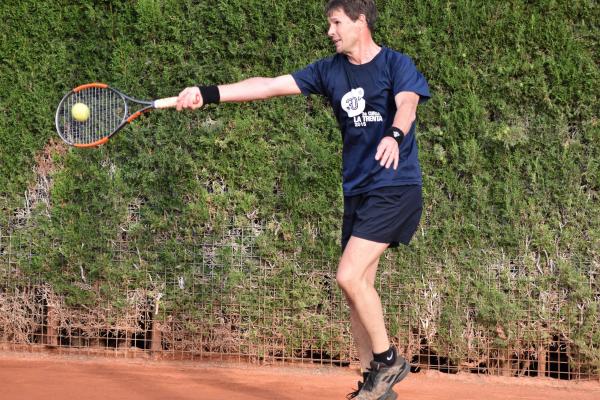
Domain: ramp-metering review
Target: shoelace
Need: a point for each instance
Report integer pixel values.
(367, 384)
(356, 392)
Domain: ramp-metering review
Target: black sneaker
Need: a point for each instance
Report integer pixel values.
(381, 379)
(389, 395)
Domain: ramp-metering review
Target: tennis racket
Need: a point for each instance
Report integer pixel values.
(105, 112)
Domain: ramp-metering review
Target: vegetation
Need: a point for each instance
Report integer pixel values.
(509, 144)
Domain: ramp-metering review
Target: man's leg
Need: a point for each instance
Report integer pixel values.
(355, 276)
(361, 337)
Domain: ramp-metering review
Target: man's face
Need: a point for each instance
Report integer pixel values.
(342, 31)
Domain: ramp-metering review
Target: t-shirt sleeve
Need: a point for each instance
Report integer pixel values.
(310, 79)
(406, 78)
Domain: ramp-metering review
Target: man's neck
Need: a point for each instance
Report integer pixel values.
(364, 52)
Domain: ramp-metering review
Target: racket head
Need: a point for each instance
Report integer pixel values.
(107, 114)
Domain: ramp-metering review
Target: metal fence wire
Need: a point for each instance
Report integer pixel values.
(216, 297)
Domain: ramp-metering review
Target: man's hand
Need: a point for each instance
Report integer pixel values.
(388, 152)
(190, 98)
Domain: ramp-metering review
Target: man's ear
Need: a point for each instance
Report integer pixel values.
(363, 18)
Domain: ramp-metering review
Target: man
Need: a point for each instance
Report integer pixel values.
(374, 92)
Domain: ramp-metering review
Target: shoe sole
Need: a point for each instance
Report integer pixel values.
(389, 395)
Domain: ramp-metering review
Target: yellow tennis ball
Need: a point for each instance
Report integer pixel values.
(80, 112)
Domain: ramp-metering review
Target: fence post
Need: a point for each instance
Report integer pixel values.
(51, 327)
(541, 361)
(156, 337)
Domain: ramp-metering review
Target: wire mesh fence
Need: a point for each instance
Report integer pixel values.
(215, 296)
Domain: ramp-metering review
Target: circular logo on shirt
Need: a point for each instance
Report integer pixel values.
(353, 102)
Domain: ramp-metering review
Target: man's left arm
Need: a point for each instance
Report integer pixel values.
(388, 151)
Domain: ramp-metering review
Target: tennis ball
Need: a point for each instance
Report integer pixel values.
(80, 112)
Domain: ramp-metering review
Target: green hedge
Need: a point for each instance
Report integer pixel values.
(509, 143)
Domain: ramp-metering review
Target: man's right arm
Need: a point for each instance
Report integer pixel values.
(246, 90)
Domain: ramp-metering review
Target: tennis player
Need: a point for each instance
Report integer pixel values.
(374, 92)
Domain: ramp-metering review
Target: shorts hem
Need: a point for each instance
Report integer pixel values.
(358, 192)
(372, 238)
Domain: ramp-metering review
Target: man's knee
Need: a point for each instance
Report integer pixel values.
(348, 279)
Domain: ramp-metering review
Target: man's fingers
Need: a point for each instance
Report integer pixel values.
(388, 156)
(388, 153)
(383, 153)
(179, 102)
(189, 98)
(391, 160)
(182, 99)
(380, 149)
(385, 156)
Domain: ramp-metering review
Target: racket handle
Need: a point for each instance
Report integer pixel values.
(168, 102)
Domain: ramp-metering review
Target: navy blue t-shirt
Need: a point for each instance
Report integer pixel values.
(363, 101)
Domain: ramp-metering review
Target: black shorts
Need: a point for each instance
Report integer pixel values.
(385, 215)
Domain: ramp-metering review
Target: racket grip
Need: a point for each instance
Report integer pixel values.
(168, 102)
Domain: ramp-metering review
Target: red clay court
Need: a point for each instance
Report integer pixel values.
(26, 376)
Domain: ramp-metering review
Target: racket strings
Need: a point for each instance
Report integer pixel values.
(107, 112)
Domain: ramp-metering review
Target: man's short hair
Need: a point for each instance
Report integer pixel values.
(353, 9)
